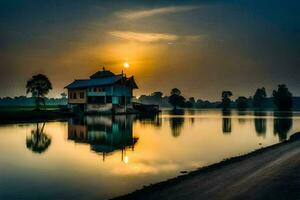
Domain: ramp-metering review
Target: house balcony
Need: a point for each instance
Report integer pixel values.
(96, 94)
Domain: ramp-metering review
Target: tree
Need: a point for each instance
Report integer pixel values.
(283, 98)
(226, 99)
(259, 98)
(242, 103)
(190, 103)
(63, 95)
(176, 99)
(39, 86)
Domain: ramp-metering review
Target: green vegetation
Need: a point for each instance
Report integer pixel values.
(26, 108)
(226, 99)
(259, 98)
(242, 103)
(283, 98)
(176, 99)
(39, 86)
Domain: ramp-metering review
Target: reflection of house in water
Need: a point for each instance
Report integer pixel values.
(104, 134)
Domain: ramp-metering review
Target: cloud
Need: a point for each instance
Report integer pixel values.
(156, 37)
(144, 37)
(157, 11)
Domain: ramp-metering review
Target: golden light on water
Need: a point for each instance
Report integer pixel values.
(126, 159)
(126, 65)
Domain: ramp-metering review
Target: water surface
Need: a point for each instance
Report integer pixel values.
(100, 157)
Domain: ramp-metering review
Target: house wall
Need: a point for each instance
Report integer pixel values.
(99, 107)
(116, 90)
(78, 99)
(119, 90)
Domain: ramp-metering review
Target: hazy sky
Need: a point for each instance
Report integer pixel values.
(201, 47)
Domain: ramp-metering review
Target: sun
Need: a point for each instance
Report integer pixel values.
(126, 65)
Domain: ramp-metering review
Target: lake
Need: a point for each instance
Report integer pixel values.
(100, 157)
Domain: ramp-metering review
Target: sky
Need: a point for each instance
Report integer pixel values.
(201, 47)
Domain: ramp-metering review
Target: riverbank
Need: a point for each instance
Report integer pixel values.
(17, 116)
(269, 173)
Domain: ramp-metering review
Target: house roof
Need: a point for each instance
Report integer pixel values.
(102, 74)
(94, 82)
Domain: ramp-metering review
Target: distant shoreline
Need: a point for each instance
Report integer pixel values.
(22, 116)
(274, 161)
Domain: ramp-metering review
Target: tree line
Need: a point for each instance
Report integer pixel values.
(281, 99)
(39, 86)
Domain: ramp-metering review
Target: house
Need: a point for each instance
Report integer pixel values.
(104, 91)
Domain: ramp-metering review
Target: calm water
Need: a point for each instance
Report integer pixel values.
(103, 157)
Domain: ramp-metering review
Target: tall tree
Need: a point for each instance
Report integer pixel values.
(259, 98)
(226, 99)
(283, 98)
(176, 99)
(39, 86)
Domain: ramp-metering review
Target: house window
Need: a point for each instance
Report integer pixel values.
(81, 95)
(98, 89)
(74, 95)
(70, 95)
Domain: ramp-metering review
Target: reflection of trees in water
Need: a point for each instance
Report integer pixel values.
(283, 122)
(242, 120)
(226, 125)
(38, 141)
(153, 120)
(191, 112)
(260, 123)
(176, 122)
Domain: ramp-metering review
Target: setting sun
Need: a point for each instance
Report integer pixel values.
(126, 65)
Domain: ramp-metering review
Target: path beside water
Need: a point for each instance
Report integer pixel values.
(270, 173)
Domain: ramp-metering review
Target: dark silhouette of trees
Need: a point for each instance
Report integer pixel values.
(154, 98)
(38, 141)
(242, 103)
(226, 99)
(283, 98)
(39, 85)
(190, 103)
(259, 98)
(63, 95)
(176, 99)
